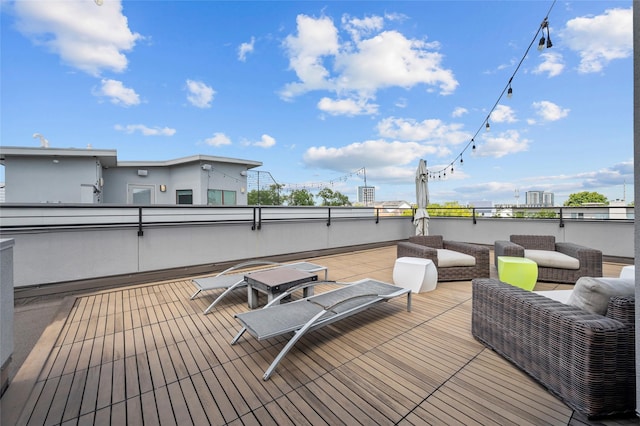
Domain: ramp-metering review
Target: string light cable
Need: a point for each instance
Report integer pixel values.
(544, 42)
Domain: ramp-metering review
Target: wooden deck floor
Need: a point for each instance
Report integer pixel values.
(148, 355)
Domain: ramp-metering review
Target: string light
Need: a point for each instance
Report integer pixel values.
(544, 42)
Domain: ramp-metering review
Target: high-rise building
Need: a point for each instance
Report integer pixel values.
(366, 195)
(539, 199)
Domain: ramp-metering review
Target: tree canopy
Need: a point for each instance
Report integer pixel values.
(333, 198)
(266, 197)
(300, 197)
(580, 198)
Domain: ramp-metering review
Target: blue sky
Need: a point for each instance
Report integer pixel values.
(317, 91)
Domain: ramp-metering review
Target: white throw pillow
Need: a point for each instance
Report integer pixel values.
(448, 258)
(552, 259)
(593, 294)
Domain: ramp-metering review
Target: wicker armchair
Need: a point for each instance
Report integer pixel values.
(586, 360)
(426, 247)
(590, 259)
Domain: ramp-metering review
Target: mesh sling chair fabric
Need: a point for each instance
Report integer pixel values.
(305, 315)
(230, 281)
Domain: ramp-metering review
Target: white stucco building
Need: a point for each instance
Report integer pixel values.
(95, 176)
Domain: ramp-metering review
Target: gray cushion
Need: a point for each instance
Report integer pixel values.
(448, 258)
(552, 259)
(593, 294)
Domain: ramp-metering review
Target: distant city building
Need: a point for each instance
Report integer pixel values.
(393, 208)
(483, 208)
(366, 195)
(539, 199)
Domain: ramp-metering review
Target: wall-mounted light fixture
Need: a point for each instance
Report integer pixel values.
(243, 189)
(163, 188)
(56, 161)
(243, 173)
(206, 167)
(142, 172)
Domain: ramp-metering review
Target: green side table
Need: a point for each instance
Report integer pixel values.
(518, 271)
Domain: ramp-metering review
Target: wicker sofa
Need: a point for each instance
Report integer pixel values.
(587, 360)
(589, 261)
(427, 246)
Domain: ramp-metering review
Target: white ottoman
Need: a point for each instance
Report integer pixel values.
(414, 273)
(628, 272)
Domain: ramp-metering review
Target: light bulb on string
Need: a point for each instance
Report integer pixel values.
(510, 92)
(487, 127)
(474, 145)
(461, 161)
(541, 44)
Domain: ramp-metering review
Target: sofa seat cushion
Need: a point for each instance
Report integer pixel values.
(449, 258)
(593, 294)
(552, 259)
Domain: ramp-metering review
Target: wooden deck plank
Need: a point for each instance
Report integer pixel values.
(147, 354)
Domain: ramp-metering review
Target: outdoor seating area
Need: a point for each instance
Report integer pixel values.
(147, 354)
(585, 358)
(560, 262)
(454, 260)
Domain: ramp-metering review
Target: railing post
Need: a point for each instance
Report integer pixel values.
(329, 218)
(253, 225)
(259, 218)
(473, 210)
(140, 231)
(377, 215)
(561, 219)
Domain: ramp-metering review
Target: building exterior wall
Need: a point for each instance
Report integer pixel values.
(52, 180)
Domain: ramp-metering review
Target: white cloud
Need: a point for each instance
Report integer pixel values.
(552, 64)
(200, 95)
(146, 131)
(503, 114)
(549, 111)
(431, 131)
(600, 39)
(246, 48)
(86, 37)
(502, 144)
(358, 68)
(217, 140)
(374, 153)
(459, 112)
(349, 107)
(265, 141)
(362, 27)
(117, 93)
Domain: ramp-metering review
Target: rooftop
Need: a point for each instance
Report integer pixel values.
(147, 354)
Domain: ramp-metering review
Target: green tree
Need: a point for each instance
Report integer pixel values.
(333, 198)
(450, 208)
(544, 214)
(580, 198)
(300, 197)
(266, 197)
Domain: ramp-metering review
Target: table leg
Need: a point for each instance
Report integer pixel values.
(252, 297)
(307, 292)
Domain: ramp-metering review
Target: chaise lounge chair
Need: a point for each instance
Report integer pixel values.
(304, 315)
(231, 281)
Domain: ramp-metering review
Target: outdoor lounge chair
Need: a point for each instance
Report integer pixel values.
(304, 315)
(231, 281)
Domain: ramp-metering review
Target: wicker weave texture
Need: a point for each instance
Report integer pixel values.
(586, 360)
(425, 247)
(590, 259)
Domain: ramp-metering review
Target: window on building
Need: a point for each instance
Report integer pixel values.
(219, 197)
(184, 196)
(140, 194)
